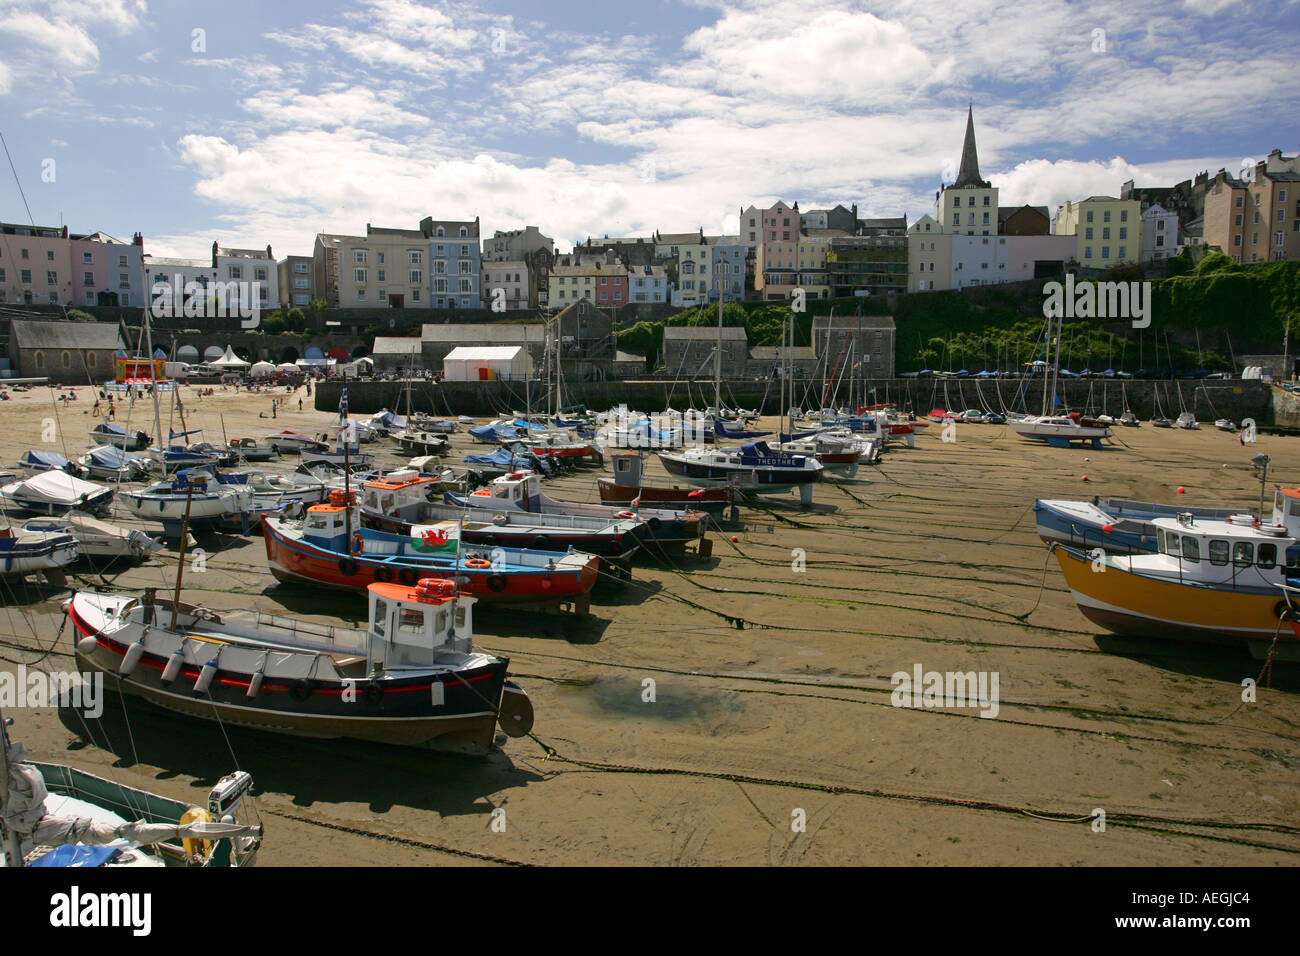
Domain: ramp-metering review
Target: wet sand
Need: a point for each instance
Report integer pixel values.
(775, 742)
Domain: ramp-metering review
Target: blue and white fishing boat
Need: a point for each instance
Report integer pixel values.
(106, 433)
(35, 462)
(111, 463)
(210, 503)
(23, 551)
(752, 466)
(1116, 524)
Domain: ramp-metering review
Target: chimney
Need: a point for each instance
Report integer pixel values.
(138, 240)
(268, 251)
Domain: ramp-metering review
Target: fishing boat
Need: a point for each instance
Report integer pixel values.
(99, 542)
(752, 466)
(247, 449)
(23, 552)
(58, 816)
(522, 491)
(423, 443)
(411, 677)
(329, 546)
(110, 463)
(628, 486)
(292, 443)
(1114, 524)
(106, 433)
(206, 503)
(56, 493)
(400, 501)
(1214, 581)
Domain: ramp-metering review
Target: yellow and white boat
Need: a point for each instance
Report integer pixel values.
(1212, 580)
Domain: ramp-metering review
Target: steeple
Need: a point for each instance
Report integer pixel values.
(969, 172)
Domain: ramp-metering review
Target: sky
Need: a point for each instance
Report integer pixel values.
(253, 123)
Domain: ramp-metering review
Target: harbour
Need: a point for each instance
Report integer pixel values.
(739, 708)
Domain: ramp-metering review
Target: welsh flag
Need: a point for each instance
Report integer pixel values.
(440, 538)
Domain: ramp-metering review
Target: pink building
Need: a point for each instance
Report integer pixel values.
(777, 269)
(44, 265)
(512, 277)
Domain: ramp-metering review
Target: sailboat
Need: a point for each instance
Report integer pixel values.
(1059, 430)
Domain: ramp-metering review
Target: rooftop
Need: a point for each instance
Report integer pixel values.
(66, 335)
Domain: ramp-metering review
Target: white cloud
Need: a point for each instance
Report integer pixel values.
(70, 41)
(6, 80)
(149, 56)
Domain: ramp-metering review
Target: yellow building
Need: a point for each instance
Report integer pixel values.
(1108, 231)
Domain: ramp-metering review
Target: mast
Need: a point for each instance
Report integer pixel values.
(717, 366)
(157, 416)
(12, 844)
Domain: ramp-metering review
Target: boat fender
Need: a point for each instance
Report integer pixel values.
(500, 519)
(255, 684)
(208, 672)
(478, 563)
(1282, 611)
(655, 523)
(347, 567)
(173, 665)
(86, 646)
(383, 575)
(358, 543)
(373, 693)
(407, 576)
(497, 582)
(300, 690)
(625, 514)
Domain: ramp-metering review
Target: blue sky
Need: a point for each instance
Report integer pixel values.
(609, 118)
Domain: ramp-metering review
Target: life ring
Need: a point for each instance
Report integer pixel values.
(478, 563)
(373, 693)
(407, 576)
(347, 567)
(358, 543)
(625, 514)
(300, 690)
(383, 574)
(497, 582)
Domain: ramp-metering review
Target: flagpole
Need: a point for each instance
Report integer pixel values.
(347, 468)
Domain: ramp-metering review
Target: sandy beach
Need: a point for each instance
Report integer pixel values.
(771, 738)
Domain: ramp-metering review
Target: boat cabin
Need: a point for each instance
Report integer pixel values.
(395, 493)
(326, 524)
(629, 468)
(521, 489)
(410, 626)
(1235, 553)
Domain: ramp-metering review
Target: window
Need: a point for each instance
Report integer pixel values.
(440, 285)
(986, 200)
(361, 257)
(1219, 553)
(90, 359)
(1256, 219)
(956, 201)
(379, 258)
(123, 282)
(361, 295)
(1105, 252)
(1105, 232)
(379, 276)
(416, 258)
(51, 278)
(1087, 233)
(439, 231)
(65, 359)
(464, 231)
(302, 283)
(49, 253)
(1243, 553)
(1236, 241)
(986, 219)
(1087, 252)
(1281, 195)
(465, 285)
(2, 276)
(40, 359)
(90, 298)
(1123, 252)
(1089, 215)
(87, 258)
(1238, 219)
(1280, 239)
(416, 276)
(464, 250)
(1123, 231)
(235, 272)
(1191, 550)
(415, 295)
(1123, 215)
(88, 278)
(360, 275)
(301, 267)
(121, 261)
(259, 275)
(465, 267)
(970, 200)
(1267, 555)
(440, 267)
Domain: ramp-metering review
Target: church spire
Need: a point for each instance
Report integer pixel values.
(968, 173)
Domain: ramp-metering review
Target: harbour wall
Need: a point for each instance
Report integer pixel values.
(1219, 398)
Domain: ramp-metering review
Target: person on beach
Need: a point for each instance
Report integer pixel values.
(300, 405)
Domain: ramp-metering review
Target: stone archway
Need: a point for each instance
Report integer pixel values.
(288, 354)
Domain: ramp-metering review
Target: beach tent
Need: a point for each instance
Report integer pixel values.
(261, 370)
(230, 362)
(485, 363)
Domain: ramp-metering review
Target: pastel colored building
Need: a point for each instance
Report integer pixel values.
(602, 280)
(694, 273)
(36, 265)
(727, 255)
(1107, 231)
(1255, 219)
(509, 277)
(1160, 236)
(107, 271)
(249, 265)
(647, 284)
(776, 271)
(454, 262)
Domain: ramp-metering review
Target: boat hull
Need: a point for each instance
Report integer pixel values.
(295, 561)
(1145, 606)
(716, 476)
(712, 500)
(402, 712)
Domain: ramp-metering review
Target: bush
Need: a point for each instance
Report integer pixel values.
(77, 315)
(273, 324)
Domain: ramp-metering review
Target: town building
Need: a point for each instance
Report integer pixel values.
(516, 244)
(1107, 230)
(513, 281)
(727, 256)
(1160, 239)
(107, 271)
(454, 263)
(776, 271)
(1024, 221)
(861, 346)
(603, 279)
(840, 218)
(585, 331)
(647, 284)
(867, 264)
(249, 265)
(970, 205)
(689, 351)
(68, 353)
(297, 281)
(1255, 219)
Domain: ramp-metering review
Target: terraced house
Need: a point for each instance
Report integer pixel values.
(1255, 219)
(601, 280)
(454, 262)
(47, 265)
(1107, 231)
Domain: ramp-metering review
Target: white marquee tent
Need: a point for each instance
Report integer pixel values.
(484, 363)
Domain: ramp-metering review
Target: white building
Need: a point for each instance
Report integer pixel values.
(1160, 237)
(487, 363)
(250, 265)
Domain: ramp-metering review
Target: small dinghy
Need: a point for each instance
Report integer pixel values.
(54, 493)
(109, 434)
(1187, 420)
(1225, 425)
(98, 541)
(24, 552)
(110, 463)
(1161, 422)
(36, 462)
(1129, 420)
